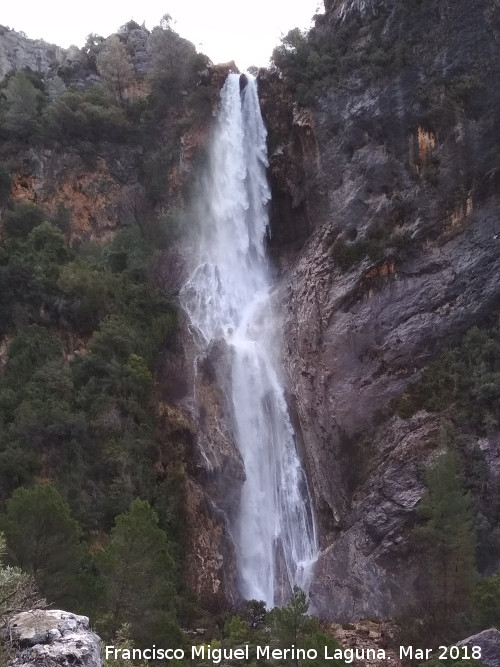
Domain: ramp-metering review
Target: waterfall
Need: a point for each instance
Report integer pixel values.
(228, 295)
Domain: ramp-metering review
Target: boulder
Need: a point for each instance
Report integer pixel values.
(54, 638)
(489, 641)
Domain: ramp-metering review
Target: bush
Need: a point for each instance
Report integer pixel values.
(86, 116)
(486, 598)
(466, 377)
(28, 352)
(346, 255)
(22, 219)
(18, 593)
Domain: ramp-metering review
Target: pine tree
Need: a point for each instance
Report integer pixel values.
(138, 571)
(43, 539)
(447, 538)
(22, 100)
(292, 626)
(115, 67)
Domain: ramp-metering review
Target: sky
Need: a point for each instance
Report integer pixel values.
(222, 29)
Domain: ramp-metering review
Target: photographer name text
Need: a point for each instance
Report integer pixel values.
(216, 655)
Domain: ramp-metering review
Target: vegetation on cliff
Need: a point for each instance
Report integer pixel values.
(91, 494)
(89, 510)
(360, 49)
(84, 318)
(457, 534)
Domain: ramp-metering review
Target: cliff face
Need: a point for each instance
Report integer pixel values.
(399, 183)
(18, 52)
(98, 197)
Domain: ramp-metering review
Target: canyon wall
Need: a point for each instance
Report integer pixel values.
(387, 230)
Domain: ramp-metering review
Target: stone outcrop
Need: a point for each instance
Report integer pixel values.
(210, 566)
(342, 8)
(53, 638)
(489, 642)
(18, 51)
(98, 198)
(368, 569)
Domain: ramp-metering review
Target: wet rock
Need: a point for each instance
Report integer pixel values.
(343, 8)
(366, 570)
(220, 464)
(210, 566)
(214, 465)
(243, 82)
(293, 166)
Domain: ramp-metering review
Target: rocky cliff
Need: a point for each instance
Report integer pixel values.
(18, 52)
(398, 181)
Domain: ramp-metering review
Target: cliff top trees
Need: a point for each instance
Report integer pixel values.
(175, 61)
(115, 67)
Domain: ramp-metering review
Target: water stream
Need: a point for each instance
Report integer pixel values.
(228, 296)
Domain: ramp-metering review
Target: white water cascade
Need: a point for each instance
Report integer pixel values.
(228, 296)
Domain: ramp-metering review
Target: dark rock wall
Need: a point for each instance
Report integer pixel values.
(398, 182)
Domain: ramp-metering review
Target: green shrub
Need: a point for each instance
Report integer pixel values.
(43, 538)
(466, 377)
(86, 116)
(346, 255)
(22, 219)
(29, 351)
(486, 598)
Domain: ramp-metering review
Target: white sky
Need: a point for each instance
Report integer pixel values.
(223, 29)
